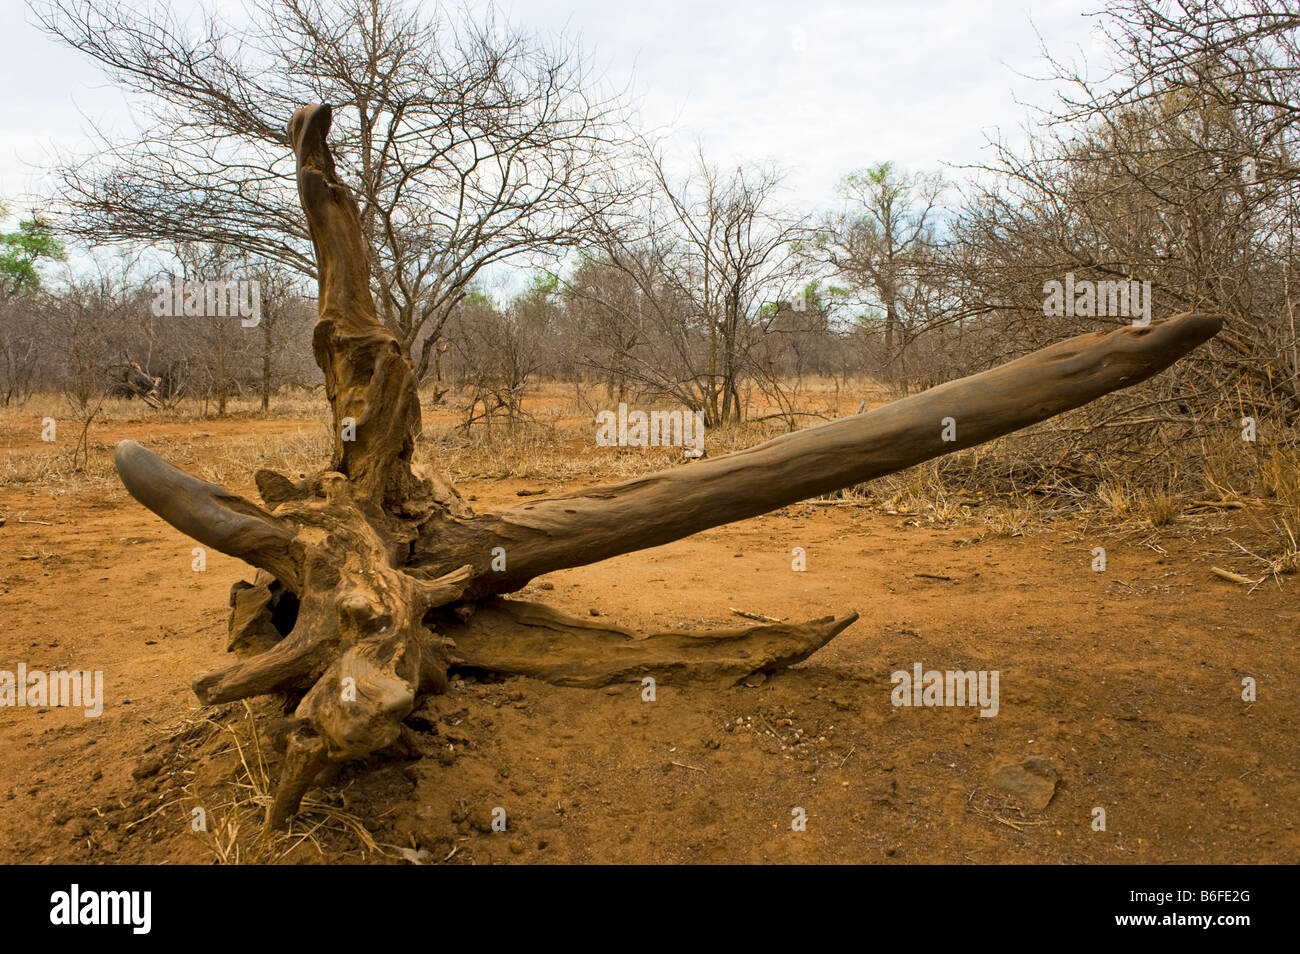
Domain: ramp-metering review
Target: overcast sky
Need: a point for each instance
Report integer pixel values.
(822, 88)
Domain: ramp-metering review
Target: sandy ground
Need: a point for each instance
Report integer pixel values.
(1127, 684)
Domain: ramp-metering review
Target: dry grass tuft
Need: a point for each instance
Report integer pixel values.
(235, 833)
(1116, 499)
(1017, 520)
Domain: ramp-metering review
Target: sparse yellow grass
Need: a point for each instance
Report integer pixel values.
(1116, 498)
(1279, 473)
(1160, 507)
(1014, 521)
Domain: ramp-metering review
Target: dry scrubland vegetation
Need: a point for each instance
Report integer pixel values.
(1003, 487)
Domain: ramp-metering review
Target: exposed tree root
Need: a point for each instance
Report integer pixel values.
(531, 639)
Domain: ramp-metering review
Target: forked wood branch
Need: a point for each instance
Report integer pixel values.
(376, 577)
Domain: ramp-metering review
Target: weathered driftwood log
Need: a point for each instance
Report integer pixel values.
(376, 577)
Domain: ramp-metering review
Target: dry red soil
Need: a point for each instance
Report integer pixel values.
(1128, 682)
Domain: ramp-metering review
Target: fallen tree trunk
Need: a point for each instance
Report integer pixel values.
(376, 577)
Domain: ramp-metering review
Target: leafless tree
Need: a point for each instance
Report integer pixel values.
(285, 315)
(499, 352)
(709, 251)
(19, 353)
(1176, 169)
(466, 142)
(83, 322)
(607, 320)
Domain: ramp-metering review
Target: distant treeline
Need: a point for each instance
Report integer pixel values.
(1169, 185)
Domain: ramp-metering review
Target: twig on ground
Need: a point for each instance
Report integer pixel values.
(1232, 577)
(759, 617)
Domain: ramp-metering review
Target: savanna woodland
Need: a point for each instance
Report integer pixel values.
(412, 456)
